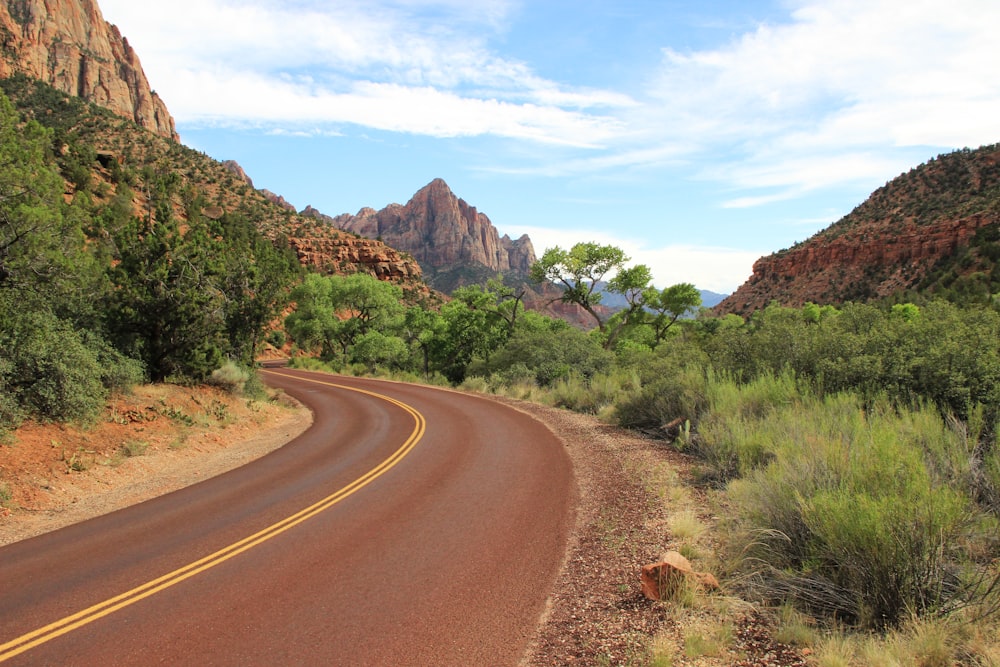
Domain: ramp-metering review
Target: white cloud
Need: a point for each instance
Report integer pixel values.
(382, 65)
(833, 95)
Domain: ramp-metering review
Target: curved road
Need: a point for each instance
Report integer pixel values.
(407, 526)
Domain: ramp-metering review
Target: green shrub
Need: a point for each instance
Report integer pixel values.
(50, 371)
(230, 377)
(276, 338)
(849, 521)
(680, 394)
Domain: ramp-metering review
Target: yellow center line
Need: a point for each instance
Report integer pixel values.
(91, 614)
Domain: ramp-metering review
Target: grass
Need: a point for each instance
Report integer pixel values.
(133, 448)
(686, 526)
(712, 644)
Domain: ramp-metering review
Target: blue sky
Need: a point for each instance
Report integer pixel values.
(696, 135)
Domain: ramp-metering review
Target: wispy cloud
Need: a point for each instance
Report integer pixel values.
(392, 66)
(827, 97)
(839, 92)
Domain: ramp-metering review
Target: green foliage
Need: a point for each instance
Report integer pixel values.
(679, 394)
(230, 376)
(848, 520)
(580, 272)
(548, 353)
(334, 312)
(167, 308)
(48, 369)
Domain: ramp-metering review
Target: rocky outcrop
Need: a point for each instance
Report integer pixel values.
(278, 199)
(234, 168)
(861, 264)
(924, 221)
(69, 45)
(345, 254)
(441, 231)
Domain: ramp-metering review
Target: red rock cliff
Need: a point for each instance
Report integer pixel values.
(69, 45)
(440, 231)
(917, 222)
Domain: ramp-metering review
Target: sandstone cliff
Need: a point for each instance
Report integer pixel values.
(69, 45)
(923, 231)
(452, 241)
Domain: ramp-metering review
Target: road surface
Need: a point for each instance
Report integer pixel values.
(407, 526)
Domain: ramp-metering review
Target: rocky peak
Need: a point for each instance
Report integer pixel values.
(69, 45)
(234, 168)
(441, 231)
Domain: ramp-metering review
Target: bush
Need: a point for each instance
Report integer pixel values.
(50, 372)
(231, 377)
(849, 521)
(681, 394)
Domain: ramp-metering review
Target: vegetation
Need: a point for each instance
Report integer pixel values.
(853, 448)
(109, 272)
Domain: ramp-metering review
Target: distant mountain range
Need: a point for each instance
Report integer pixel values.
(612, 300)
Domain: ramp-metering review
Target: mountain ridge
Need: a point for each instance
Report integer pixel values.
(934, 229)
(446, 235)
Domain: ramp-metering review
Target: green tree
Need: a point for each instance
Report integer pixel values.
(580, 272)
(37, 246)
(167, 307)
(333, 312)
(668, 305)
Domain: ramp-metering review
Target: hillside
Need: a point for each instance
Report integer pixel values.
(934, 230)
(103, 155)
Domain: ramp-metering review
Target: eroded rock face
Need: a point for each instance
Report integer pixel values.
(69, 45)
(440, 231)
(873, 262)
(890, 243)
(344, 254)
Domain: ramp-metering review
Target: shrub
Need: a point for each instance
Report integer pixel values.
(848, 521)
(231, 377)
(681, 394)
(50, 371)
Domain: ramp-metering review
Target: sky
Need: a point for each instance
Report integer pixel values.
(697, 135)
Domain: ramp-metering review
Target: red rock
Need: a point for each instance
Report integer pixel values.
(660, 578)
(888, 244)
(69, 45)
(440, 231)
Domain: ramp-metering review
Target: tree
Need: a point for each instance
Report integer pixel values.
(335, 311)
(581, 272)
(668, 305)
(168, 308)
(38, 247)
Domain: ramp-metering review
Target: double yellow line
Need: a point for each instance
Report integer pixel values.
(68, 624)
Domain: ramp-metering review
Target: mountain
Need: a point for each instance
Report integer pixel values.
(69, 45)
(618, 301)
(107, 159)
(454, 243)
(933, 230)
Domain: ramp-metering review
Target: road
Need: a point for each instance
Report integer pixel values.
(407, 526)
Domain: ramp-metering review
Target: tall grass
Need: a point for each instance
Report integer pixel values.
(852, 517)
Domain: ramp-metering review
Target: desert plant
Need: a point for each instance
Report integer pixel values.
(849, 522)
(230, 376)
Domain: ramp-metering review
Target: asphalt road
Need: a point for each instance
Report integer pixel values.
(407, 526)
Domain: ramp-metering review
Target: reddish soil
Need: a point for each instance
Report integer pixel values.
(153, 441)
